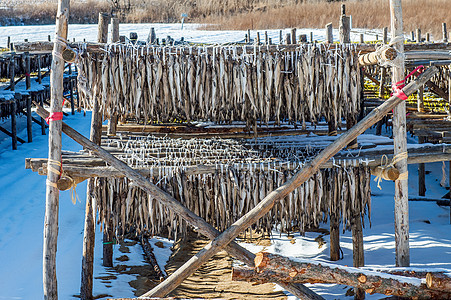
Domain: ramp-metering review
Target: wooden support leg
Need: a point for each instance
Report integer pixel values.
(13, 125)
(334, 238)
(108, 246)
(88, 245)
(71, 89)
(421, 174)
(41, 102)
(112, 125)
(29, 120)
(357, 250)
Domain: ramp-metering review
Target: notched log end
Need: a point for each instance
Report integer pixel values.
(261, 260)
(361, 278)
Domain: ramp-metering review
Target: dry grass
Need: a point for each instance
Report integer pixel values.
(425, 14)
(247, 14)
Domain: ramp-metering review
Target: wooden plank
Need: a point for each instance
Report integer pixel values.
(266, 204)
(54, 154)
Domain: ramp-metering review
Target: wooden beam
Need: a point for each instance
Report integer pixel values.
(400, 147)
(266, 204)
(54, 154)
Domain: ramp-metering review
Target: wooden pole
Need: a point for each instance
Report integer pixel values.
(39, 69)
(362, 38)
(52, 192)
(114, 30)
(345, 26)
(445, 33)
(102, 33)
(29, 120)
(329, 33)
(420, 100)
(287, 38)
(266, 204)
(27, 70)
(293, 36)
(400, 148)
(311, 37)
(71, 90)
(12, 72)
(334, 247)
(266, 38)
(171, 203)
(421, 174)
(357, 251)
(385, 35)
(13, 122)
(418, 35)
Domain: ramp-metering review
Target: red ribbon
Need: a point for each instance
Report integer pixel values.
(397, 87)
(27, 74)
(55, 116)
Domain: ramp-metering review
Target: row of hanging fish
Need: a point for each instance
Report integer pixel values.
(19, 63)
(220, 85)
(222, 197)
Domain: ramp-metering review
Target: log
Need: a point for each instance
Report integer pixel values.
(266, 204)
(148, 252)
(54, 155)
(400, 146)
(114, 30)
(171, 203)
(329, 33)
(388, 173)
(421, 172)
(438, 281)
(373, 58)
(271, 266)
(345, 29)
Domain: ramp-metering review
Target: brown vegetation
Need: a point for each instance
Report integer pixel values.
(246, 14)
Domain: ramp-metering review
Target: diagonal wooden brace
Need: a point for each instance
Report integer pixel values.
(170, 202)
(299, 178)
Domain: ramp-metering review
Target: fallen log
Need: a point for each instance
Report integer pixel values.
(438, 281)
(171, 203)
(266, 204)
(272, 266)
(148, 251)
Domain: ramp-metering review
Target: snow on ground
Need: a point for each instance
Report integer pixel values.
(190, 32)
(22, 198)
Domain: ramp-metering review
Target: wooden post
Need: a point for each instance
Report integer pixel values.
(39, 69)
(344, 27)
(112, 125)
(377, 37)
(27, 70)
(400, 148)
(115, 30)
(385, 35)
(421, 174)
(293, 36)
(249, 35)
(8, 42)
(102, 33)
(266, 204)
(357, 250)
(412, 36)
(280, 37)
(52, 192)
(420, 100)
(445, 33)
(29, 120)
(381, 83)
(334, 248)
(362, 38)
(288, 39)
(49, 38)
(418, 35)
(41, 102)
(13, 121)
(12, 72)
(71, 90)
(258, 38)
(329, 33)
(266, 38)
(428, 37)
(152, 36)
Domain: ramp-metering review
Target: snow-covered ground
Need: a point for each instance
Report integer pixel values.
(22, 198)
(190, 32)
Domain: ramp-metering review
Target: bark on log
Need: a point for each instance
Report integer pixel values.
(438, 281)
(148, 251)
(270, 266)
(388, 173)
(171, 203)
(372, 58)
(268, 202)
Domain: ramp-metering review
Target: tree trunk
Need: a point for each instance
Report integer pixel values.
(270, 267)
(54, 155)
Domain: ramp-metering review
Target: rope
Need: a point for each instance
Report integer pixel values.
(397, 158)
(398, 86)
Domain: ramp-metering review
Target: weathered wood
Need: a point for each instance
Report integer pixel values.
(14, 123)
(344, 29)
(329, 33)
(54, 155)
(334, 247)
(373, 57)
(29, 120)
(102, 31)
(115, 30)
(12, 72)
(271, 266)
(387, 173)
(358, 258)
(268, 202)
(293, 36)
(385, 35)
(148, 252)
(421, 173)
(362, 38)
(381, 84)
(444, 33)
(420, 100)
(71, 91)
(400, 147)
(27, 70)
(43, 125)
(171, 203)
(418, 35)
(112, 125)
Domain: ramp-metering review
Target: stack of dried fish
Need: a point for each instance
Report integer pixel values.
(239, 179)
(164, 83)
